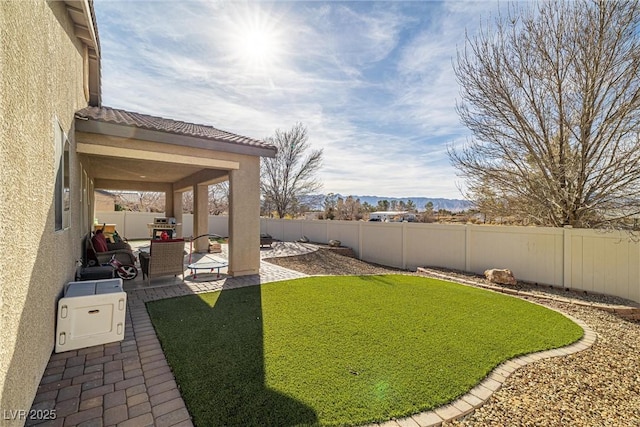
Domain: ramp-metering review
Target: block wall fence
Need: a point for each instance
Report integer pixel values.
(589, 260)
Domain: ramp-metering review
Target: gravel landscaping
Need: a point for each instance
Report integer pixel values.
(326, 262)
(596, 387)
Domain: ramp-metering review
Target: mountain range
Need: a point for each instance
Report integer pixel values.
(316, 202)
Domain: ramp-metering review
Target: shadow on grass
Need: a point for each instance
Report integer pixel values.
(220, 368)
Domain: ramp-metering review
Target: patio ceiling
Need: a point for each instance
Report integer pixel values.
(117, 173)
(112, 168)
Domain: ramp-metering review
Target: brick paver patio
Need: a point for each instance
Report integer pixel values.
(129, 383)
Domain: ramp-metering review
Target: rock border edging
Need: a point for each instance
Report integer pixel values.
(481, 393)
(624, 311)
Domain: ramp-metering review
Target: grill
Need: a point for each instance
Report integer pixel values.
(162, 224)
(164, 221)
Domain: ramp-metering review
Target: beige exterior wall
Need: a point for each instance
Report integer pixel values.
(589, 260)
(244, 217)
(200, 217)
(41, 77)
(162, 153)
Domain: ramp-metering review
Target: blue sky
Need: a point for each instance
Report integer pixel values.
(372, 81)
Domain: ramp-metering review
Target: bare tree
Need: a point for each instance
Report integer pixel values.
(219, 198)
(187, 202)
(349, 209)
(551, 94)
(291, 174)
(330, 206)
(140, 201)
(266, 207)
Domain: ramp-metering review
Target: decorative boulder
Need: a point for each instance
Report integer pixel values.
(502, 277)
(334, 243)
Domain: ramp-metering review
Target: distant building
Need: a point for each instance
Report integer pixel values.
(392, 216)
(104, 201)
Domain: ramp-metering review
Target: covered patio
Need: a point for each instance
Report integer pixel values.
(121, 150)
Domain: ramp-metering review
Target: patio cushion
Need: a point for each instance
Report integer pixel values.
(165, 257)
(99, 243)
(156, 241)
(98, 257)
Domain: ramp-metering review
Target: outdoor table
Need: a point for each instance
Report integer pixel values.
(209, 264)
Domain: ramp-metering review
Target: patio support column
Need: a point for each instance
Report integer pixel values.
(244, 218)
(177, 212)
(201, 216)
(168, 203)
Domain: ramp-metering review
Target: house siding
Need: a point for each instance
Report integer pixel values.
(41, 78)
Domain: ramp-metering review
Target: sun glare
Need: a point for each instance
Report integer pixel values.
(258, 45)
(256, 39)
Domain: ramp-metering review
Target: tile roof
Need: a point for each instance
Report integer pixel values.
(144, 121)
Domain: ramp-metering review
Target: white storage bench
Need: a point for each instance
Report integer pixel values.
(90, 313)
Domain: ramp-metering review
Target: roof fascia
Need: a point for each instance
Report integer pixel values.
(125, 131)
(85, 29)
(81, 12)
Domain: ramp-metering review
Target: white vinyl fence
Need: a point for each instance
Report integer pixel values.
(133, 225)
(589, 260)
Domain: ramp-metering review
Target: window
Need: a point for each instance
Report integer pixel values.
(84, 200)
(62, 198)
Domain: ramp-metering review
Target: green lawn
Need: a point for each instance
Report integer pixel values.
(343, 350)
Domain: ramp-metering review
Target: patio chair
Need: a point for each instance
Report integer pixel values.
(99, 257)
(266, 240)
(165, 257)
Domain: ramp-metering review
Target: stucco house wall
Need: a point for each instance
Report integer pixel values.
(41, 76)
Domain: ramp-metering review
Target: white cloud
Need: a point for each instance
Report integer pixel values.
(372, 81)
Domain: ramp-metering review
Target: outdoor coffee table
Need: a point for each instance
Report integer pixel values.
(207, 265)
